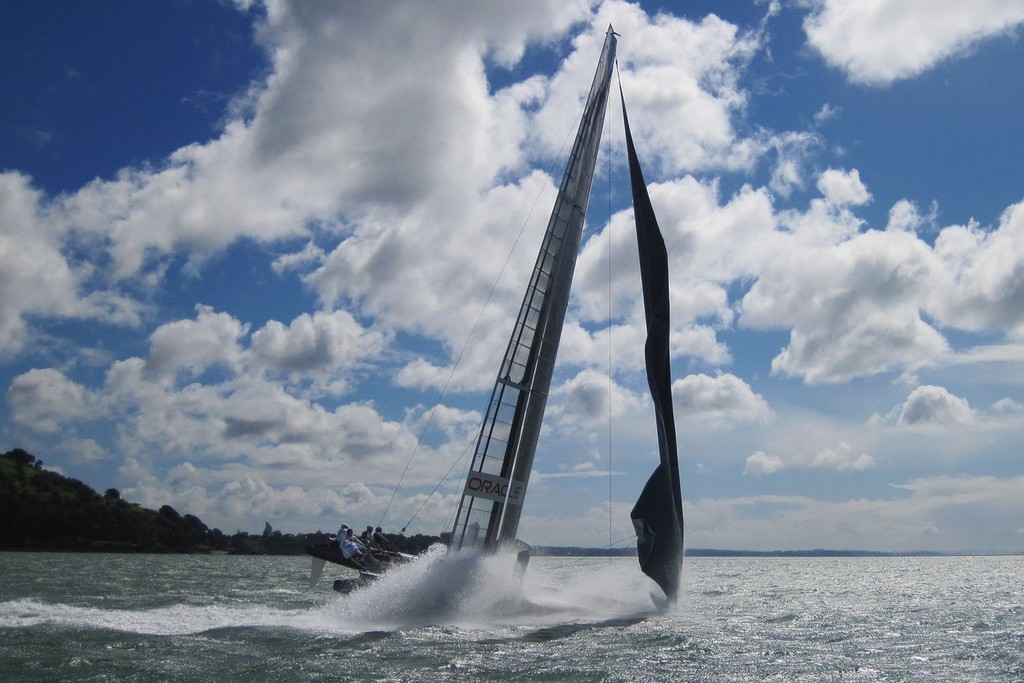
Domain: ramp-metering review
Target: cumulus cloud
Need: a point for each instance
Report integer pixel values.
(877, 43)
(905, 288)
(761, 463)
(835, 336)
(862, 302)
(842, 458)
(688, 115)
(1007, 406)
(40, 275)
(195, 345)
(934, 405)
(46, 400)
(239, 416)
(591, 397)
(381, 264)
(839, 458)
(843, 188)
(722, 399)
(319, 343)
(298, 154)
(982, 287)
(383, 173)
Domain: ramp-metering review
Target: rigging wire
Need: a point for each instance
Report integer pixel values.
(614, 544)
(445, 477)
(453, 508)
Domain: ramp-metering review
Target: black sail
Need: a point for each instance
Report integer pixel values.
(658, 513)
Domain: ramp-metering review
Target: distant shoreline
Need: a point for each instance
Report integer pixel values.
(566, 551)
(543, 551)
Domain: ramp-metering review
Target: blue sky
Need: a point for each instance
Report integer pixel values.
(242, 246)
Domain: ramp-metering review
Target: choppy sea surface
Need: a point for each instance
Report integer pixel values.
(84, 617)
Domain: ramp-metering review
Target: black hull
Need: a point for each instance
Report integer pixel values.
(332, 553)
(349, 585)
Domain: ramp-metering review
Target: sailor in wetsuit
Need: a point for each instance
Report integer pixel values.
(350, 549)
(382, 542)
(353, 551)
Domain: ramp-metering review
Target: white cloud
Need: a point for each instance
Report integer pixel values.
(827, 113)
(590, 397)
(315, 345)
(44, 400)
(1001, 353)
(904, 216)
(682, 87)
(836, 336)
(842, 458)
(862, 302)
(195, 345)
(84, 450)
(935, 513)
(983, 283)
(934, 405)
(1007, 406)
(794, 153)
(311, 254)
(839, 458)
(841, 188)
(299, 152)
(237, 424)
(344, 124)
(761, 463)
(40, 273)
(879, 42)
(720, 400)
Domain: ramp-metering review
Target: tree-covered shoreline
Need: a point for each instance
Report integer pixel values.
(41, 510)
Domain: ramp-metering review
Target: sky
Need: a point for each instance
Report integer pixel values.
(259, 261)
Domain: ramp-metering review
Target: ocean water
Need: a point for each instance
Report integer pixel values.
(83, 617)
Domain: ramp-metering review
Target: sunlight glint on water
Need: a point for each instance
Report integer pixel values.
(158, 617)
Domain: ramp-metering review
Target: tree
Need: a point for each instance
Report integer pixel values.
(21, 457)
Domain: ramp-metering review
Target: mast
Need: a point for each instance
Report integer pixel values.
(495, 488)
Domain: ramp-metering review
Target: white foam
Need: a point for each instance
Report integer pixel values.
(437, 588)
(484, 590)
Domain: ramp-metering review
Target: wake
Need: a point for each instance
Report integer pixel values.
(163, 621)
(435, 589)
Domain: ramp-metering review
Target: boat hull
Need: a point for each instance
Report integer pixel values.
(331, 552)
(349, 585)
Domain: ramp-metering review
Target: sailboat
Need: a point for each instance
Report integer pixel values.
(496, 485)
(499, 473)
